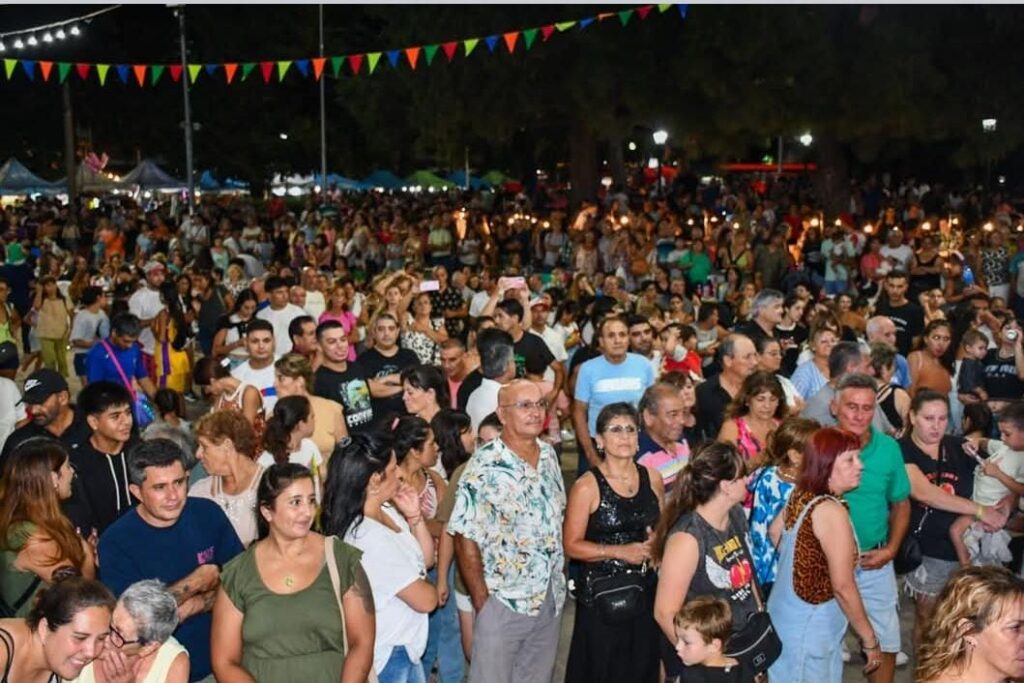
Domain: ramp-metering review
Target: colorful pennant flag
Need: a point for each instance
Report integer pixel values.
(625, 16)
(393, 56)
(44, 68)
(429, 51)
(565, 25)
(247, 68)
(303, 66)
(449, 49)
(412, 54)
(664, 7)
(155, 73)
(491, 42)
(642, 12)
(586, 22)
(355, 62)
(101, 71)
(175, 71)
(470, 44)
(318, 67)
(83, 70)
(211, 69)
(63, 69)
(682, 10)
(546, 31)
(229, 72)
(510, 40)
(529, 35)
(336, 63)
(266, 68)
(122, 72)
(193, 72)
(371, 60)
(9, 65)
(29, 65)
(282, 68)
(140, 73)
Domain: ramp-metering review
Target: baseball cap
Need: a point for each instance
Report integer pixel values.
(41, 385)
(151, 266)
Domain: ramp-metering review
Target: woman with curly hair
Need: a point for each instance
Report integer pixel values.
(754, 413)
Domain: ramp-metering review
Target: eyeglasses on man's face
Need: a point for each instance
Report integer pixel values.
(526, 406)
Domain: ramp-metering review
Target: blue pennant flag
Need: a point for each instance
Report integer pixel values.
(210, 68)
(393, 57)
(29, 65)
(586, 22)
(491, 42)
(123, 70)
(303, 66)
(682, 10)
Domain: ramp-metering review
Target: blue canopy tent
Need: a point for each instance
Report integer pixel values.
(148, 176)
(209, 183)
(385, 179)
(342, 183)
(15, 179)
(475, 182)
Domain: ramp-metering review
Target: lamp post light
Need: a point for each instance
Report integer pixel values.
(660, 137)
(806, 139)
(988, 128)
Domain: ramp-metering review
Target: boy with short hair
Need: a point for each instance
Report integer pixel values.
(703, 628)
(1000, 474)
(970, 384)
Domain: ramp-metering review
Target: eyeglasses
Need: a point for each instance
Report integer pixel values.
(118, 641)
(621, 429)
(526, 406)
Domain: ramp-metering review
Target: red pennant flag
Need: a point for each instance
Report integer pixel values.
(318, 67)
(175, 71)
(412, 54)
(642, 12)
(266, 68)
(510, 40)
(546, 31)
(140, 73)
(229, 72)
(355, 62)
(45, 67)
(449, 50)
(83, 70)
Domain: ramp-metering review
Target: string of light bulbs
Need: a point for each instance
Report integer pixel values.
(58, 30)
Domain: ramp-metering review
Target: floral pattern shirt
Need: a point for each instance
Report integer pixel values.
(514, 513)
(770, 495)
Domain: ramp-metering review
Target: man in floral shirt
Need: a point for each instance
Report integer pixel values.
(507, 524)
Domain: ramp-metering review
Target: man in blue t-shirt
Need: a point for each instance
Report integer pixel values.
(181, 541)
(102, 366)
(616, 375)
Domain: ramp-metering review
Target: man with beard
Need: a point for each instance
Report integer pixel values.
(47, 398)
(641, 342)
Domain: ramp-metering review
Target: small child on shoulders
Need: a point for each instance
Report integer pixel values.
(703, 628)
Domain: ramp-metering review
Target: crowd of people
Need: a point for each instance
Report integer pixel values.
(332, 440)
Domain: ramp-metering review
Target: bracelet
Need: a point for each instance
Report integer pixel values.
(980, 512)
(866, 647)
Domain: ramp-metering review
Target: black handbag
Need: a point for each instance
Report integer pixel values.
(757, 643)
(619, 597)
(909, 556)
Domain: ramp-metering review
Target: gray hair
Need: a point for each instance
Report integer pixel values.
(654, 395)
(153, 609)
(495, 358)
(728, 345)
(875, 325)
(856, 380)
(765, 298)
(842, 357)
(165, 430)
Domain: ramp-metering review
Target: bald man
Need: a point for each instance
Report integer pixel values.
(883, 329)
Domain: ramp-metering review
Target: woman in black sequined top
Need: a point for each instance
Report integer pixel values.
(610, 517)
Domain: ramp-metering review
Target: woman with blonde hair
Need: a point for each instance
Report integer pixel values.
(293, 376)
(975, 634)
(38, 544)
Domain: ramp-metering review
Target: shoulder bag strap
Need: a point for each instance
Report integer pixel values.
(332, 569)
(27, 593)
(120, 370)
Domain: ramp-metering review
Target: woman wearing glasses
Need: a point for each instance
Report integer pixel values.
(140, 647)
(609, 521)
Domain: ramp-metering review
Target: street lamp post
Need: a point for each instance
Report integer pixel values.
(190, 175)
(660, 137)
(988, 128)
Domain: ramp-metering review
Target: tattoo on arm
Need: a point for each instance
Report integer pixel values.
(361, 588)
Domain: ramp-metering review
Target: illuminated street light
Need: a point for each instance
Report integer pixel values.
(806, 139)
(660, 137)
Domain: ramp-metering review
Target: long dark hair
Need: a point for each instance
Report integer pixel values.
(59, 603)
(411, 434)
(169, 295)
(449, 426)
(352, 464)
(288, 413)
(426, 377)
(710, 465)
(275, 479)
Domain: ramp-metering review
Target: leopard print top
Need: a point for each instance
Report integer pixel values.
(811, 580)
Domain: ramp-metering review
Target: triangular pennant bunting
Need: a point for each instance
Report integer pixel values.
(282, 68)
(247, 68)
(229, 72)
(336, 63)
(9, 65)
(371, 60)
(430, 51)
(83, 70)
(211, 69)
(101, 71)
(266, 68)
(155, 73)
(510, 40)
(605, 15)
(642, 12)
(546, 31)
(586, 22)
(664, 7)
(140, 74)
(393, 56)
(529, 35)
(491, 41)
(63, 69)
(682, 10)
(193, 72)
(44, 68)
(625, 15)
(303, 66)
(412, 54)
(123, 71)
(175, 71)
(318, 67)
(355, 62)
(470, 45)
(449, 49)
(565, 25)
(29, 65)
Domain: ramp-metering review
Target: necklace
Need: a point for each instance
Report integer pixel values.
(627, 480)
(289, 581)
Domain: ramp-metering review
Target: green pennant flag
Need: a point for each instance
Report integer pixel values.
(470, 43)
(565, 25)
(664, 8)
(247, 69)
(63, 69)
(155, 72)
(193, 72)
(9, 65)
(429, 51)
(336, 63)
(529, 35)
(625, 16)
(282, 69)
(371, 59)
(101, 71)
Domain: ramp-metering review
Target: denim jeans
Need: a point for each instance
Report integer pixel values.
(444, 641)
(401, 669)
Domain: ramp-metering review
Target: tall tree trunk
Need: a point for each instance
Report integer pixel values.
(583, 170)
(832, 180)
(616, 159)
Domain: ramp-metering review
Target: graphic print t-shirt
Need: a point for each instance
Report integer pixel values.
(348, 388)
(372, 364)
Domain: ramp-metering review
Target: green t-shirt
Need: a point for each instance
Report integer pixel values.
(700, 268)
(883, 482)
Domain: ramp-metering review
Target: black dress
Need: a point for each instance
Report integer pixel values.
(616, 652)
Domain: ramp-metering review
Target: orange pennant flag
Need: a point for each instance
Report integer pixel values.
(45, 67)
(229, 72)
(140, 73)
(318, 66)
(510, 40)
(412, 54)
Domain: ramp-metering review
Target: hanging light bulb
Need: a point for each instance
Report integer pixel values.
(60, 34)
(47, 37)
(75, 30)
(18, 44)
(32, 41)
(3, 48)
